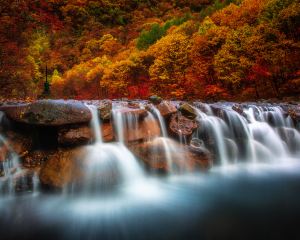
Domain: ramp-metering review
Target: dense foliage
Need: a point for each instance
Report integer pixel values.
(204, 49)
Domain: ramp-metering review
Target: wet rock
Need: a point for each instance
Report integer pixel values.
(19, 143)
(62, 168)
(129, 113)
(166, 109)
(181, 126)
(239, 109)
(188, 111)
(105, 108)
(108, 132)
(142, 131)
(49, 112)
(24, 181)
(154, 154)
(294, 113)
(75, 136)
(135, 105)
(83, 134)
(199, 158)
(291, 137)
(4, 151)
(36, 158)
(155, 99)
(218, 111)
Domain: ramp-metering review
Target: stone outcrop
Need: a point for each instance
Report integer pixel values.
(62, 168)
(155, 99)
(133, 113)
(105, 108)
(180, 126)
(166, 109)
(108, 134)
(36, 158)
(188, 111)
(48, 112)
(19, 143)
(83, 134)
(239, 109)
(144, 130)
(75, 136)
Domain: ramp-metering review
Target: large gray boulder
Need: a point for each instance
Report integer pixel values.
(48, 112)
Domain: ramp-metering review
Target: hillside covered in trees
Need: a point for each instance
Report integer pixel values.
(181, 49)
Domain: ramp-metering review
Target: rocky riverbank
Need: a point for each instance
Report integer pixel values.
(50, 136)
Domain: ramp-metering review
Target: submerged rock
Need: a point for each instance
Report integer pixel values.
(108, 132)
(165, 155)
(89, 169)
(188, 111)
(25, 181)
(142, 131)
(133, 113)
(49, 112)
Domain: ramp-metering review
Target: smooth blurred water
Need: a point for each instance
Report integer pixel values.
(239, 202)
(252, 192)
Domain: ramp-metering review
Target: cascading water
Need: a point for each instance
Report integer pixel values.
(119, 201)
(108, 164)
(95, 123)
(9, 168)
(216, 127)
(266, 137)
(167, 144)
(261, 134)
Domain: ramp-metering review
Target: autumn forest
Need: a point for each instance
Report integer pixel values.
(177, 49)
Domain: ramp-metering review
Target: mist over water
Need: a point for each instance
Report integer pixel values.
(252, 190)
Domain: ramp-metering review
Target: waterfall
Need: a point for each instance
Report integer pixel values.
(95, 122)
(9, 167)
(108, 164)
(161, 121)
(217, 127)
(260, 134)
(254, 134)
(166, 143)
